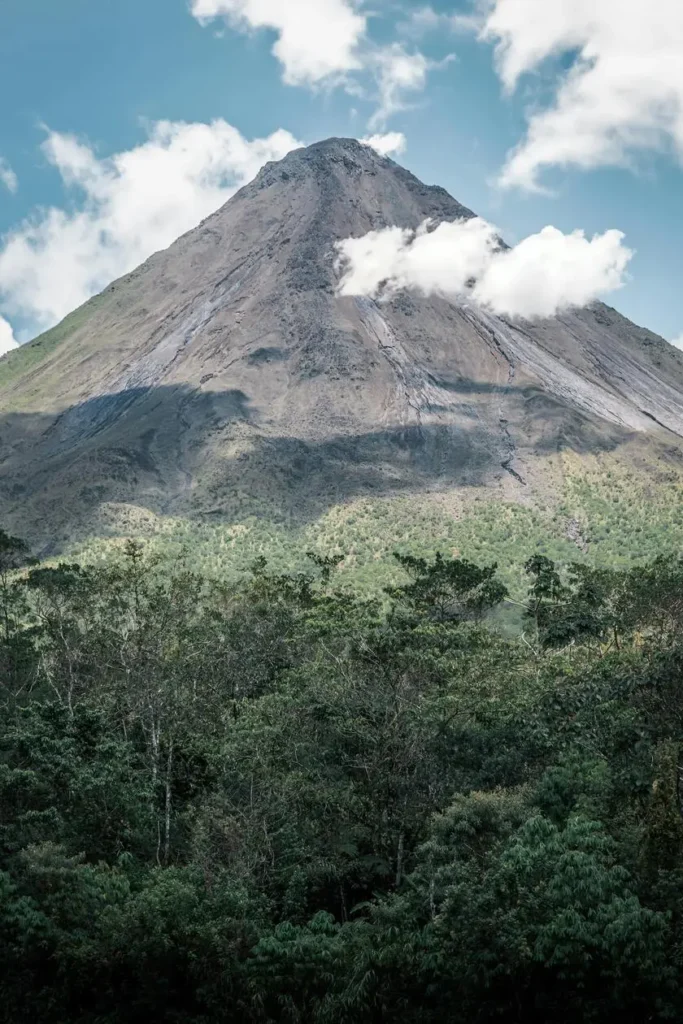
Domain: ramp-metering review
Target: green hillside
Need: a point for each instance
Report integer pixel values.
(606, 514)
(19, 363)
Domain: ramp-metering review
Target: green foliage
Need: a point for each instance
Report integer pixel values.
(601, 512)
(264, 797)
(449, 589)
(603, 605)
(19, 361)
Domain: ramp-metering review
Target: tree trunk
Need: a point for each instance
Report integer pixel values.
(167, 808)
(399, 859)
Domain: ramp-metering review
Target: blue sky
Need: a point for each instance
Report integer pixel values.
(99, 74)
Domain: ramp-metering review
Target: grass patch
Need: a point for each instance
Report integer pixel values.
(22, 360)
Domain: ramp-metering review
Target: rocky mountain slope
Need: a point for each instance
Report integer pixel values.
(226, 376)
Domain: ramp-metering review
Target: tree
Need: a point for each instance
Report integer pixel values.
(448, 589)
(15, 646)
(271, 798)
(527, 921)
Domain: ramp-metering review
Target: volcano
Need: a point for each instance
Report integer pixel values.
(226, 375)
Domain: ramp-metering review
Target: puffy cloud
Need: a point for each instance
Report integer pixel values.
(439, 261)
(7, 339)
(623, 91)
(464, 260)
(678, 342)
(317, 39)
(7, 176)
(130, 205)
(551, 271)
(391, 143)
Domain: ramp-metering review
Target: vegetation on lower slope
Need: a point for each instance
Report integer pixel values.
(268, 799)
(606, 515)
(20, 361)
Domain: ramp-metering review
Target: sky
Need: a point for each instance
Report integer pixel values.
(124, 122)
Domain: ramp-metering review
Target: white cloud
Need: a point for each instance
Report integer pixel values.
(425, 20)
(390, 143)
(463, 260)
(131, 205)
(551, 271)
(678, 342)
(7, 176)
(7, 339)
(421, 21)
(623, 92)
(398, 74)
(325, 42)
(439, 261)
(317, 39)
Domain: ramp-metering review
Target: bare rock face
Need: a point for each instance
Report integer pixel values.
(226, 372)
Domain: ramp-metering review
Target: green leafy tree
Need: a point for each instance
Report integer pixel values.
(16, 662)
(448, 589)
(267, 798)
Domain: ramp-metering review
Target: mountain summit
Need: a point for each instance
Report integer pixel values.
(227, 375)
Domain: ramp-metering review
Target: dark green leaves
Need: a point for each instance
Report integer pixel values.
(270, 800)
(448, 589)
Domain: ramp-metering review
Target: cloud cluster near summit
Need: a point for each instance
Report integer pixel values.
(387, 144)
(464, 260)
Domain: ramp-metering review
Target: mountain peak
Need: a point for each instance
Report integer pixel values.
(335, 148)
(320, 158)
(349, 188)
(227, 373)
(339, 144)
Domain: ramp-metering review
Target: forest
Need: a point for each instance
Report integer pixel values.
(273, 799)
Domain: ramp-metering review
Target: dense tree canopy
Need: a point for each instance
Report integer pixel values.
(274, 800)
